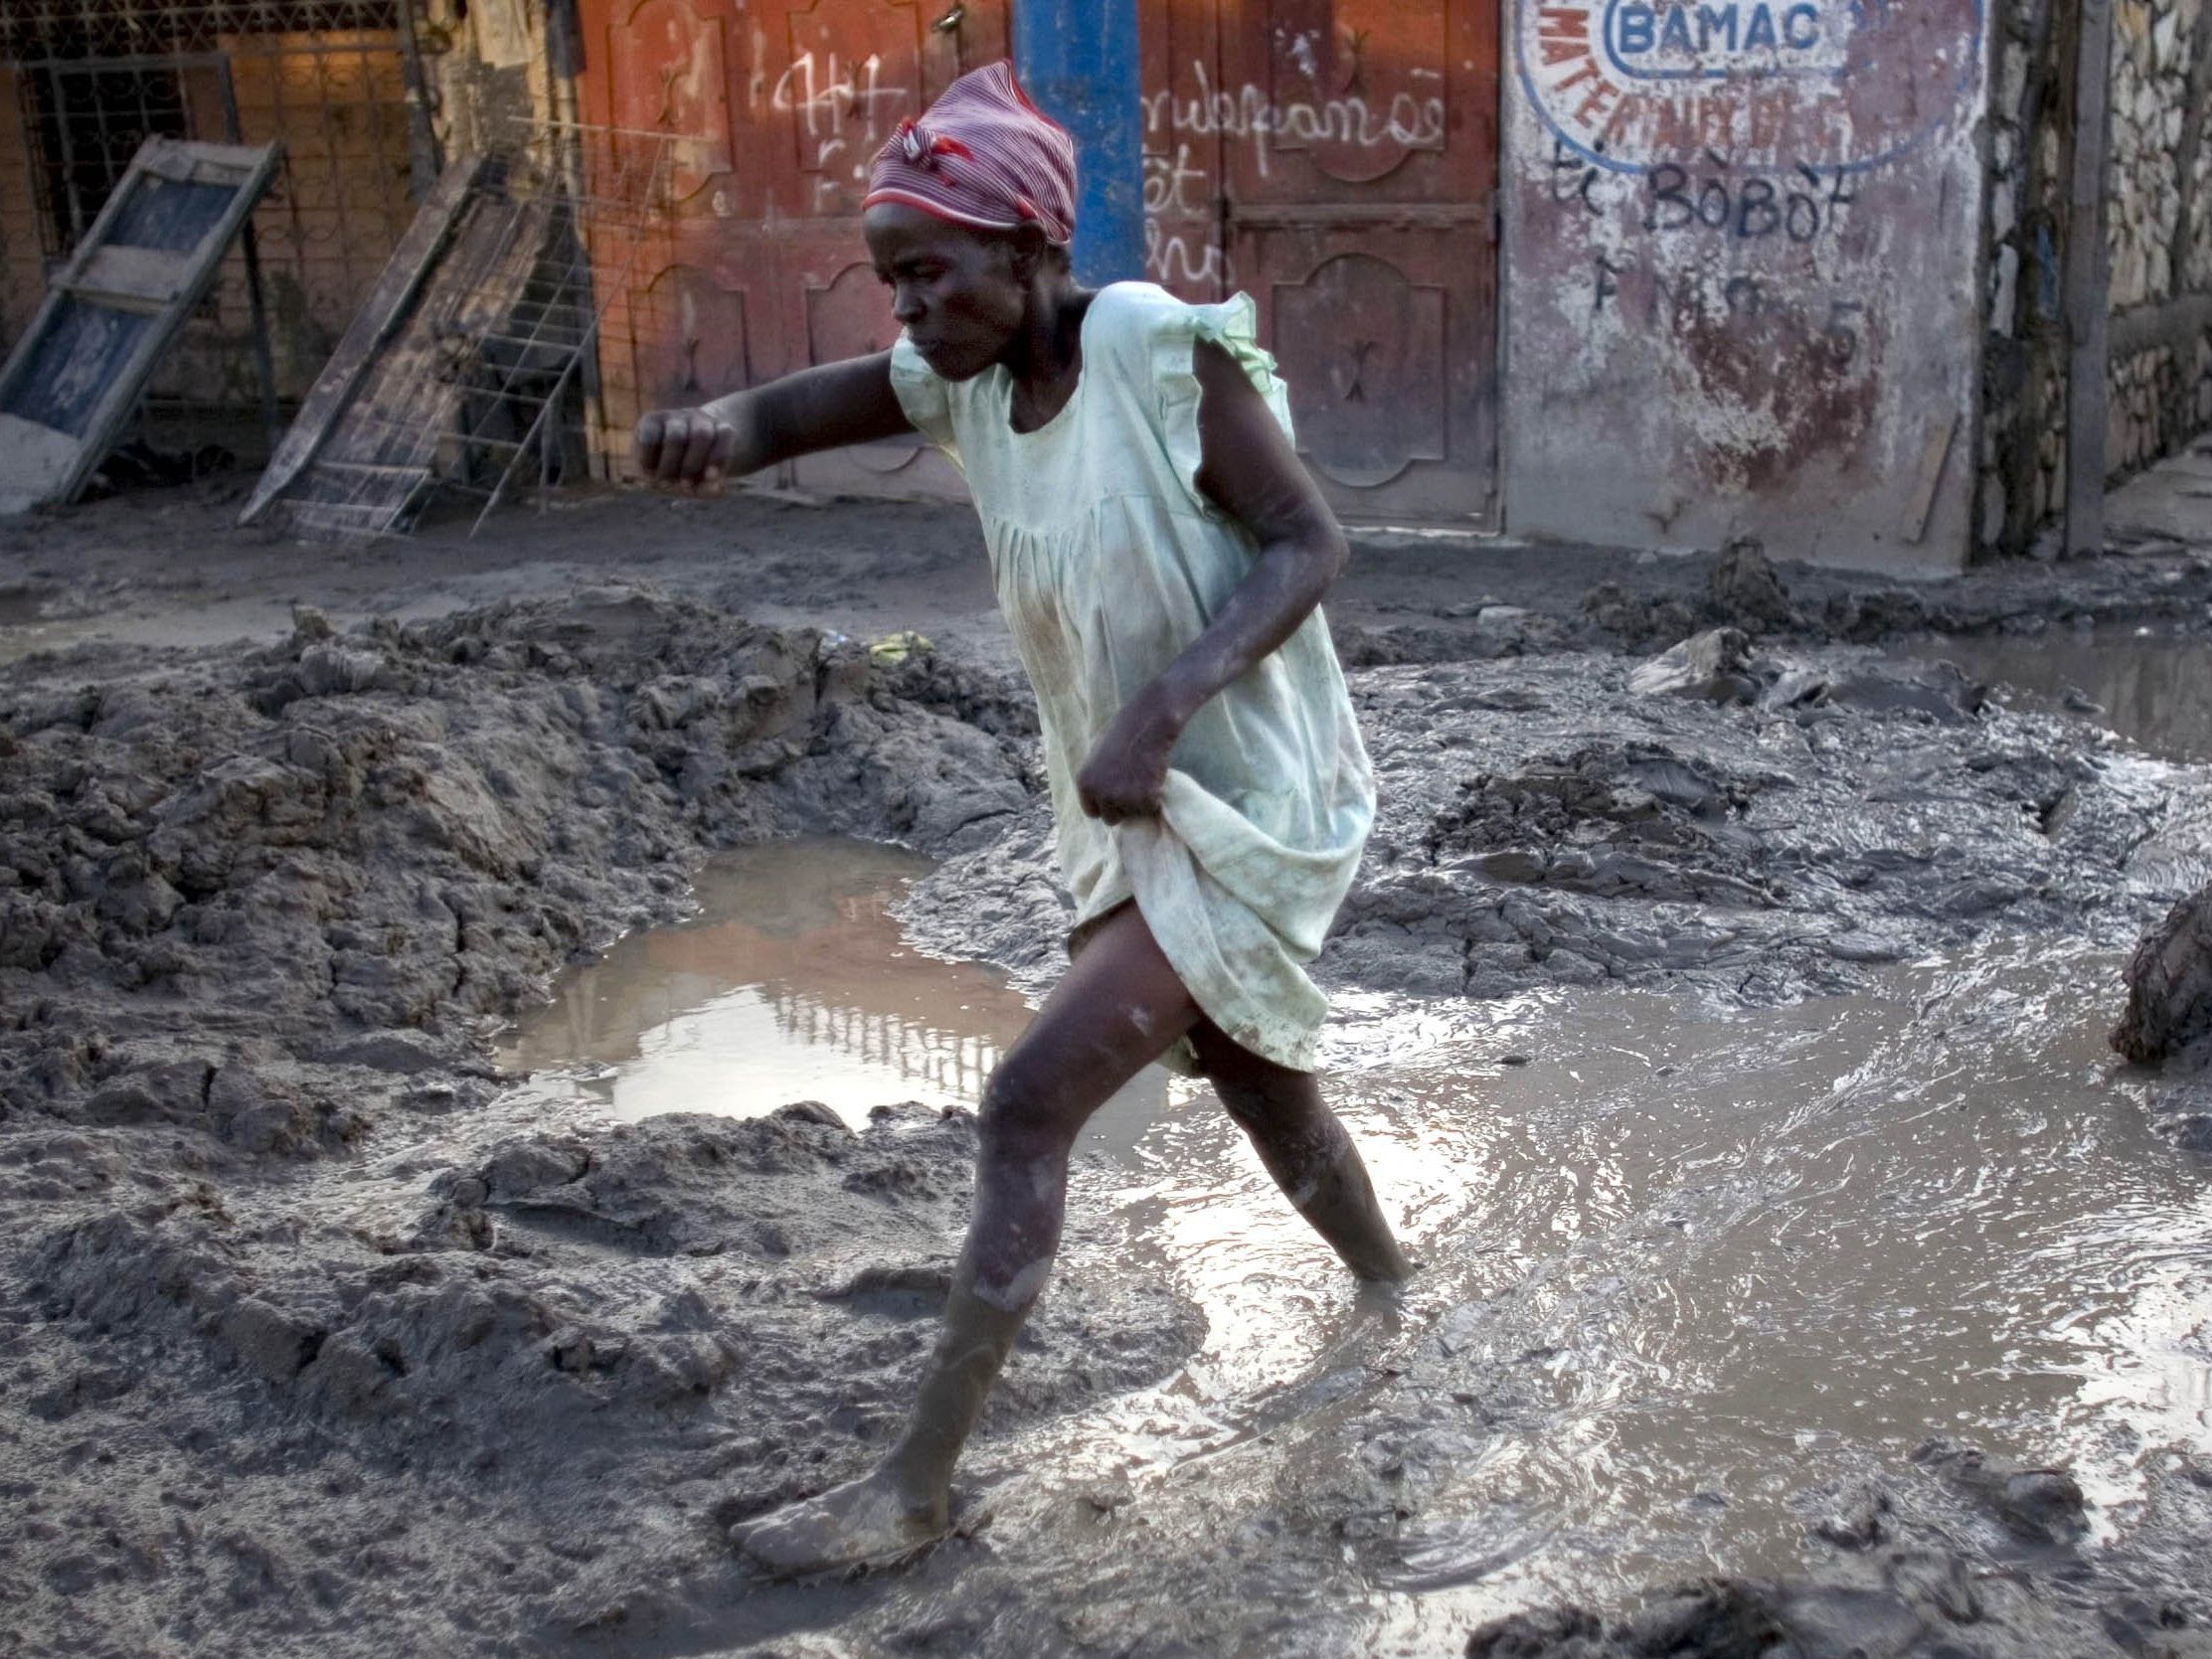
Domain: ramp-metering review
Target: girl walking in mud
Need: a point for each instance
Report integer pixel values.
(1159, 554)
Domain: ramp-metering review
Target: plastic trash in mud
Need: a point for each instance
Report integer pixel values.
(897, 647)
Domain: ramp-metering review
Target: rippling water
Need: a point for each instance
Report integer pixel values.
(1712, 1256)
(2149, 688)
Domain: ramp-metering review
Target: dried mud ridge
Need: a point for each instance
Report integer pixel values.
(309, 1334)
(320, 1341)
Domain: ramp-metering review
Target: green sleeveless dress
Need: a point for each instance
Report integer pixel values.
(1109, 562)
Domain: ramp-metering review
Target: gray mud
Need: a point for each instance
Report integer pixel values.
(322, 1335)
(302, 1319)
(1541, 823)
(1706, 1292)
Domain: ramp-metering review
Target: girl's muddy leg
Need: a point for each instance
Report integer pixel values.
(1119, 1009)
(1306, 1150)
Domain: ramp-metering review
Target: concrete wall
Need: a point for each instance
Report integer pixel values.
(1742, 274)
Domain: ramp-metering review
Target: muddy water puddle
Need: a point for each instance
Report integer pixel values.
(2152, 689)
(1681, 1264)
(792, 984)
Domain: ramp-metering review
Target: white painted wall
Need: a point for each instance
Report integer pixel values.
(1740, 265)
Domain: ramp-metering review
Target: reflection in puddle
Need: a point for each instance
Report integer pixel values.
(2150, 689)
(1678, 1268)
(794, 984)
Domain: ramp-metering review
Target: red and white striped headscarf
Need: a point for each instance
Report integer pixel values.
(982, 155)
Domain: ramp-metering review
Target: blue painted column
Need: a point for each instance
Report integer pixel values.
(1078, 59)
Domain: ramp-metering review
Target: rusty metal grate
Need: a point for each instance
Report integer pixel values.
(29, 27)
(327, 79)
(492, 374)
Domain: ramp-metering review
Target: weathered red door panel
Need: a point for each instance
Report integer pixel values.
(1361, 154)
(1386, 335)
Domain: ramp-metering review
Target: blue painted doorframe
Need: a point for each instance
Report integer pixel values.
(1079, 59)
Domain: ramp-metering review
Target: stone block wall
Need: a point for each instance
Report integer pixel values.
(2021, 483)
(2156, 47)
(2158, 226)
(2158, 234)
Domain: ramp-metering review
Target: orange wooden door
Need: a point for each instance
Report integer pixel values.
(1338, 160)
(1360, 211)
(781, 107)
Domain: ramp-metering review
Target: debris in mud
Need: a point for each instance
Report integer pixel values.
(1744, 595)
(2169, 988)
(1868, 618)
(1710, 665)
(2041, 1506)
(1745, 592)
(1638, 623)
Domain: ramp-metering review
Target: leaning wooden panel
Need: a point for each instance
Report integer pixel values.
(112, 311)
(373, 326)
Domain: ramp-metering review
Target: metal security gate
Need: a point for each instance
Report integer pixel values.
(86, 80)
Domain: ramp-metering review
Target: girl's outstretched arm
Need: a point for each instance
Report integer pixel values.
(1248, 468)
(825, 408)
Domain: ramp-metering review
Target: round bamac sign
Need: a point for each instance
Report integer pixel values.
(1633, 84)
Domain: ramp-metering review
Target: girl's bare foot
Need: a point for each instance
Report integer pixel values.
(866, 1521)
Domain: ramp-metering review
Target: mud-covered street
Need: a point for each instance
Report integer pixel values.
(1724, 998)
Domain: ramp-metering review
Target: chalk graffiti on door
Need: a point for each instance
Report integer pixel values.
(841, 113)
(1248, 116)
(1180, 192)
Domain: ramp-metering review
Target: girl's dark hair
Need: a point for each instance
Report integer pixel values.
(1051, 255)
